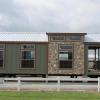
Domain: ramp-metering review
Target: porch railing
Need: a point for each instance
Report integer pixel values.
(93, 65)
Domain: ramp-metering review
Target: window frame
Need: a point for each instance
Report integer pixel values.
(34, 50)
(70, 50)
(3, 49)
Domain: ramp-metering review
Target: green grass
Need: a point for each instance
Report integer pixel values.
(49, 96)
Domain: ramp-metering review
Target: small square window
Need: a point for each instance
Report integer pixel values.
(65, 47)
(75, 38)
(28, 55)
(57, 38)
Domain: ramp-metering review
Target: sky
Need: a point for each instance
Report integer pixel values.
(50, 16)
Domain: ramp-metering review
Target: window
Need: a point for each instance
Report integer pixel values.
(65, 56)
(75, 38)
(1, 55)
(28, 56)
(57, 38)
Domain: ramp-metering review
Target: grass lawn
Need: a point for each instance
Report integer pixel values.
(49, 96)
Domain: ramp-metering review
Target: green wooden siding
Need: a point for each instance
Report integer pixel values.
(12, 60)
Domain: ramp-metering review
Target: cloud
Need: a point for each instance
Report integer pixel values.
(50, 15)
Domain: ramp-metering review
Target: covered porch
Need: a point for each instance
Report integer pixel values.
(94, 58)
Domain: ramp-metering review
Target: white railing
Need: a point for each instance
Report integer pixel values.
(49, 83)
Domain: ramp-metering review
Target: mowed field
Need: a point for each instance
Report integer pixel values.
(49, 96)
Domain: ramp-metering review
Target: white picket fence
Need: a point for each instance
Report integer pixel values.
(24, 82)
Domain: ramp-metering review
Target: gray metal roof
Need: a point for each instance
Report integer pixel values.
(38, 37)
(24, 36)
(92, 38)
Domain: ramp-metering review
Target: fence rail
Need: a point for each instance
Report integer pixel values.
(49, 83)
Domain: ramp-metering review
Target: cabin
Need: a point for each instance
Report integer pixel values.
(23, 53)
(44, 53)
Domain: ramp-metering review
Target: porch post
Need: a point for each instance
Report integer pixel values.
(98, 53)
(95, 54)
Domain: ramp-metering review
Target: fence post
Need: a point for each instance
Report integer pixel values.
(98, 84)
(58, 83)
(46, 80)
(19, 83)
(2, 82)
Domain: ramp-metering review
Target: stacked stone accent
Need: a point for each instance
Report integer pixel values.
(78, 58)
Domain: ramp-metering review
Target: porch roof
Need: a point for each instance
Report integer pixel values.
(92, 38)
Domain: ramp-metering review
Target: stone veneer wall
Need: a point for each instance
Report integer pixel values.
(78, 58)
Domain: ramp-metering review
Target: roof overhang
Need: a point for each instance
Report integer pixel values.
(24, 42)
(92, 43)
(69, 34)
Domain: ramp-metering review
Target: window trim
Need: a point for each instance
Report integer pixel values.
(3, 49)
(65, 51)
(27, 50)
